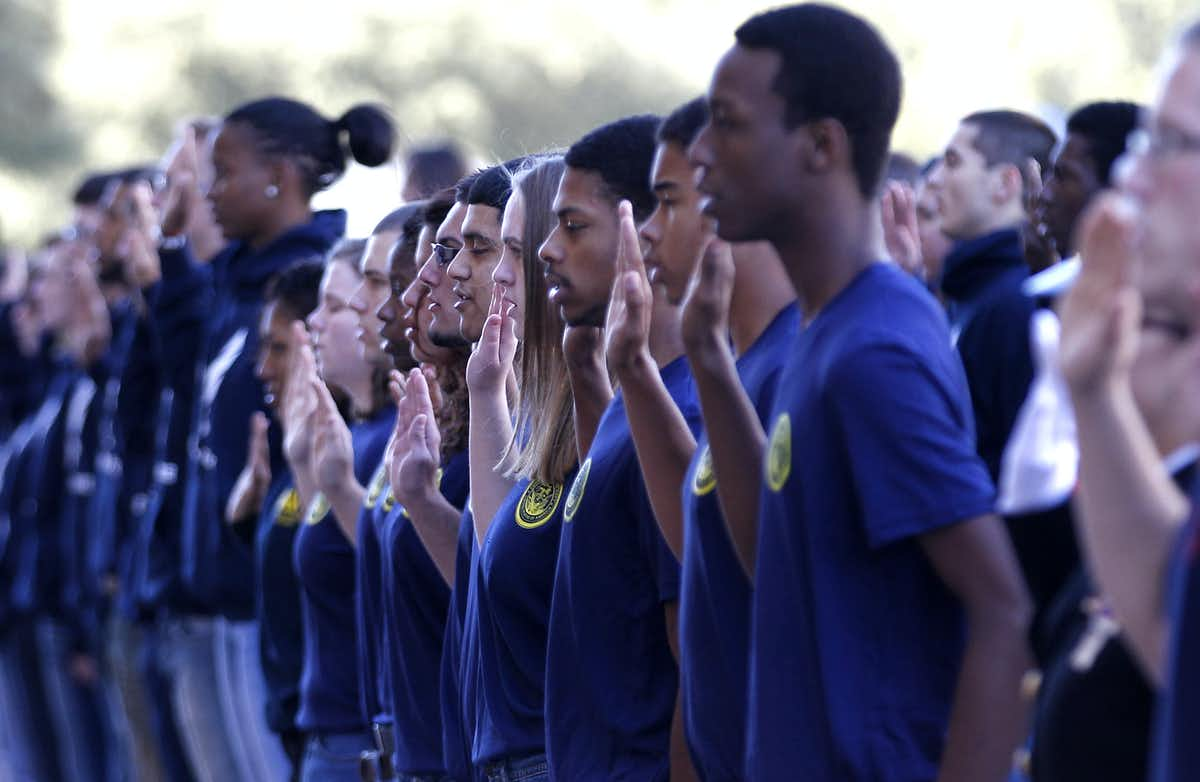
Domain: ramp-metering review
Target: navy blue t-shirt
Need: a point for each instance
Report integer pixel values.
(368, 567)
(855, 643)
(455, 669)
(714, 594)
(610, 674)
(281, 628)
(1176, 755)
(415, 612)
(330, 701)
(514, 581)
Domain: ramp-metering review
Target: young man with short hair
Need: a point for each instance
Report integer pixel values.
(875, 533)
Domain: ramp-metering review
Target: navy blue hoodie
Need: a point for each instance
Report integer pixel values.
(217, 568)
(989, 317)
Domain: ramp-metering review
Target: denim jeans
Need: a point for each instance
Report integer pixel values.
(88, 749)
(32, 752)
(258, 751)
(529, 769)
(335, 757)
(128, 699)
(189, 664)
(159, 689)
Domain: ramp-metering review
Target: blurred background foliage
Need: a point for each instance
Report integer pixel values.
(87, 85)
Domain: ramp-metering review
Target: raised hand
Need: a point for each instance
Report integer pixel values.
(414, 476)
(900, 232)
(138, 244)
(1040, 251)
(299, 402)
(182, 196)
(492, 359)
(248, 493)
(710, 291)
(332, 446)
(1100, 313)
(627, 325)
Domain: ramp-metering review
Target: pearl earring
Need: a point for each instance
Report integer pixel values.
(271, 191)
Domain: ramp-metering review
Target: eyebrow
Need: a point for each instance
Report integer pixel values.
(665, 184)
(448, 239)
(567, 211)
(475, 235)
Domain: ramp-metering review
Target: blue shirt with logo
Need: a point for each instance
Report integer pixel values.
(456, 668)
(856, 644)
(281, 628)
(610, 674)
(325, 566)
(415, 609)
(714, 598)
(514, 581)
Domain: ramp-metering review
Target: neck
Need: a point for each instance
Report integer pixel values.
(824, 248)
(666, 333)
(280, 222)
(761, 290)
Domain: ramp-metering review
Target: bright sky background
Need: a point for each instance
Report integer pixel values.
(958, 55)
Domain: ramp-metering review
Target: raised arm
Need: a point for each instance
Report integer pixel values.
(661, 435)
(488, 372)
(735, 435)
(1128, 510)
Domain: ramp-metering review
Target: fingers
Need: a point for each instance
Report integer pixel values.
(258, 434)
(630, 253)
(419, 392)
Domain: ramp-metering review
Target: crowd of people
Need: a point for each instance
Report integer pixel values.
(721, 445)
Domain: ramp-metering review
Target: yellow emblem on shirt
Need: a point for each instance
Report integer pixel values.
(576, 493)
(704, 480)
(779, 452)
(376, 487)
(317, 510)
(538, 503)
(389, 501)
(287, 509)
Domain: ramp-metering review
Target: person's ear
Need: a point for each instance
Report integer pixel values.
(825, 146)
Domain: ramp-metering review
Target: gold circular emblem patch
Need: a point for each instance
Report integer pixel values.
(704, 480)
(389, 502)
(375, 490)
(317, 510)
(287, 509)
(576, 493)
(779, 452)
(538, 503)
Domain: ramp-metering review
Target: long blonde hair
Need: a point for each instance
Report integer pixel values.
(543, 442)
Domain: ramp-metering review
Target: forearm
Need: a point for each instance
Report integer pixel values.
(989, 718)
(663, 442)
(1129, 512)
(436, 522)
(490, 432)
(736, 442)
(346, 500)
(590, 394)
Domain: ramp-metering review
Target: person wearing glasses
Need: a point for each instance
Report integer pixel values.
(1138, 529)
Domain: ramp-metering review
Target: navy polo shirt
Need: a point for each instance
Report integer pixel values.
(456, 743)
(856, 643)
(416, 605)
(1176, 755)
(281, 628)
(330, 701)
(514, 581)
(610, 674)
(368, 568)
(714, 596)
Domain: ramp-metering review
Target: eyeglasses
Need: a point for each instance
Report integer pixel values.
(1161, 142)
(444, 253)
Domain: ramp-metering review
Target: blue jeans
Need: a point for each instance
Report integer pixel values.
(88, 748)
(258, 752)
(159, 698)
(529, 769)
(32, 751)
(189, 664)
(334, 757)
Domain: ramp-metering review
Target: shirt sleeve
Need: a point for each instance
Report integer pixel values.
(906, 422)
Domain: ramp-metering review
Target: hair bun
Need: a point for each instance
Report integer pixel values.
(371, 133)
